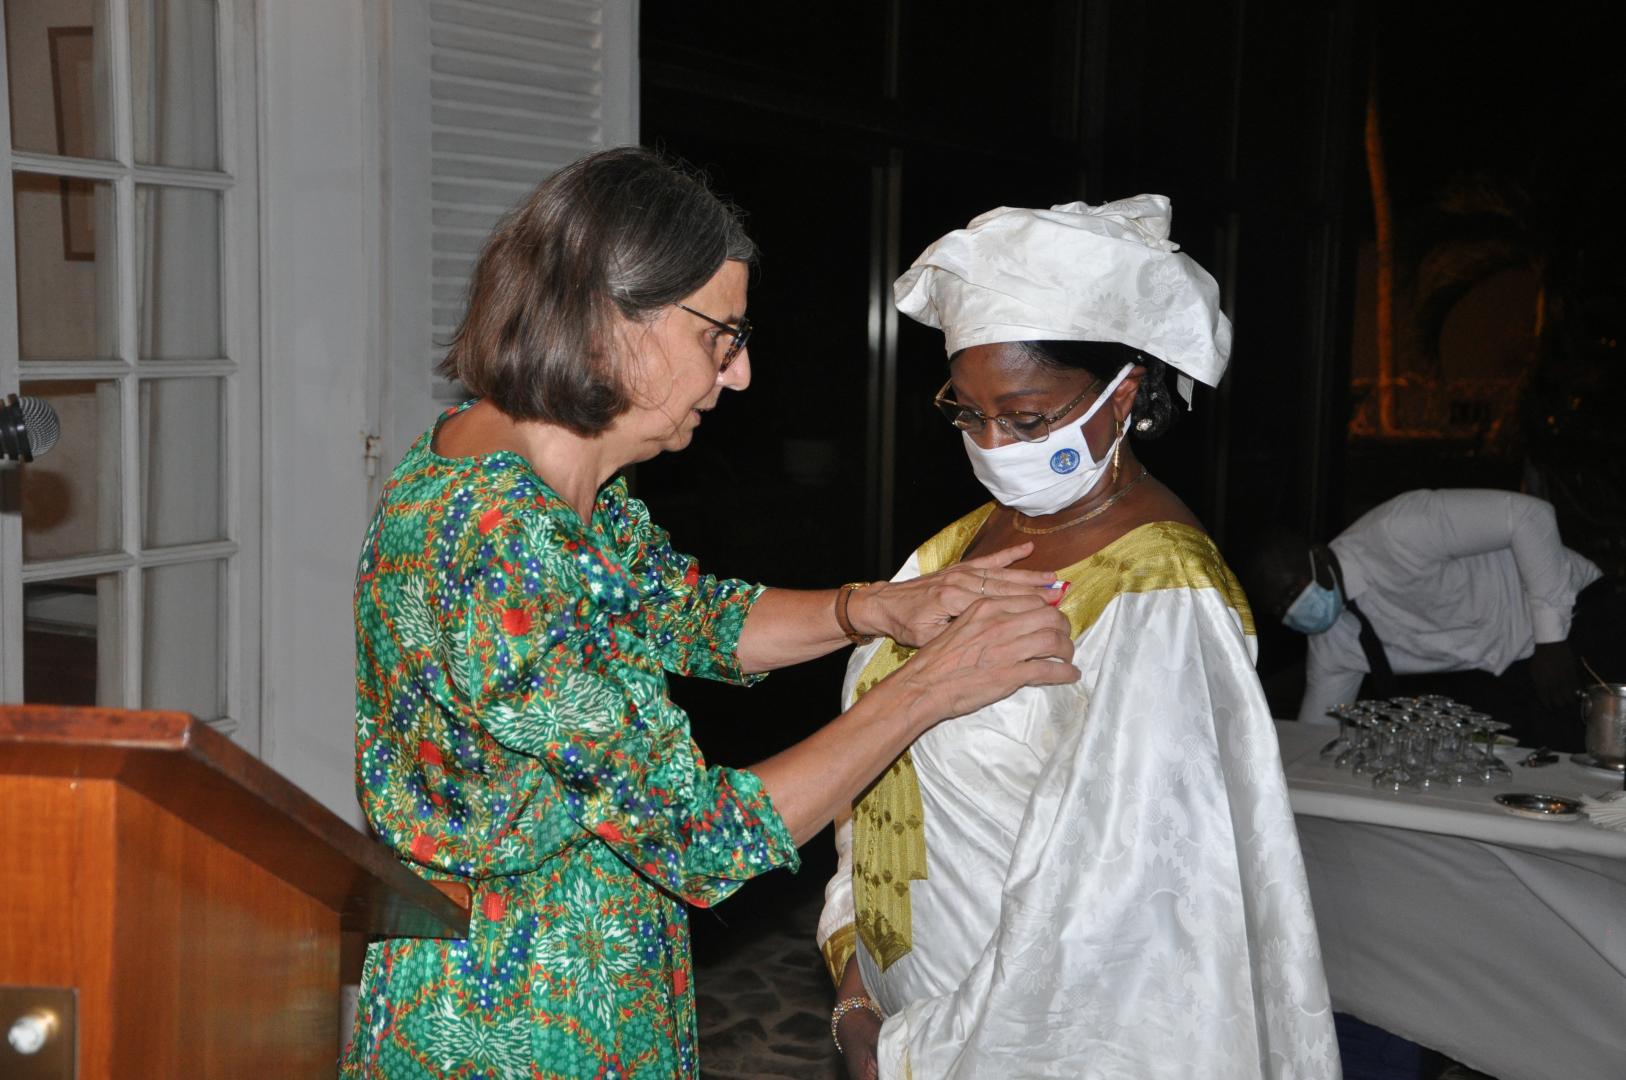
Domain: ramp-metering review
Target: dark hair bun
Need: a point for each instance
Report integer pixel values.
(1155, 401)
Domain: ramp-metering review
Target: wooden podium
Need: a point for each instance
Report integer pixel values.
(174, 907)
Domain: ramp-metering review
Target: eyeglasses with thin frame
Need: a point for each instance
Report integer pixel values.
(741, 334)
(1024, 426)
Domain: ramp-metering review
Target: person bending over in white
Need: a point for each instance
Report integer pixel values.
(1467, 593)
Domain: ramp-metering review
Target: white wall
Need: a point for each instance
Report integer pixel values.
(320, 275)
(408, 404)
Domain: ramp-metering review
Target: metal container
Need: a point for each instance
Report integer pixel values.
(1603, 710)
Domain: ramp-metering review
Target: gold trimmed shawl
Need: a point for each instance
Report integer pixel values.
(888, 824)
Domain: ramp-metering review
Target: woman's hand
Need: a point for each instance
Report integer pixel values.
(860, 1032)
(997, 645)
(914, 612)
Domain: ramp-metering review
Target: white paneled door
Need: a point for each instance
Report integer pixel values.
(129, 555)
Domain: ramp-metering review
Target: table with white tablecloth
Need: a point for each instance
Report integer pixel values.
(1495, 939)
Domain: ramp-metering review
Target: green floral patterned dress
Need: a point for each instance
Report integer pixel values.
(513, 731)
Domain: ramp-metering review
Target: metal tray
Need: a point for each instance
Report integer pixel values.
(1542, 807)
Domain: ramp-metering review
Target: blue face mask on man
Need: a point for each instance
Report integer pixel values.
(1316, 608)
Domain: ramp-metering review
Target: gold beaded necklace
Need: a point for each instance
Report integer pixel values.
(1016, 517)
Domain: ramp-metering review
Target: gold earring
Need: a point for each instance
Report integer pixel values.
(1117, 449)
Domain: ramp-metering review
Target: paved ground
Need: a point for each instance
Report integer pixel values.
(763, 994)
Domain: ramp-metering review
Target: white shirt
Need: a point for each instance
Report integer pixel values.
(1455, 580)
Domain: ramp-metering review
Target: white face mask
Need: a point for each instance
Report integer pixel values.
(1044, 477)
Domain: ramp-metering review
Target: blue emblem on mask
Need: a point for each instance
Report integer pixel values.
(1064, 461)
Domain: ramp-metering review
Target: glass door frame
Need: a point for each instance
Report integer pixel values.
(238, 370)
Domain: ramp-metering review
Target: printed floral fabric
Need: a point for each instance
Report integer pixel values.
(513, 731)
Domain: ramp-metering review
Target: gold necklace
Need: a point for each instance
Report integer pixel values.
(1016, 516)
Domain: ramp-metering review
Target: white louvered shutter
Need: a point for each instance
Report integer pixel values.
(517, 89)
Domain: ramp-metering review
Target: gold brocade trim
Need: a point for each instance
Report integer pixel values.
(1160, 555)
(889, 834)
(838, 948)
(890, 818)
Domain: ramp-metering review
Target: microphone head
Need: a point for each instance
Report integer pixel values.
(40, 422)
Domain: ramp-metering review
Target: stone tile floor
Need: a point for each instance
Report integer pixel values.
(764, 997)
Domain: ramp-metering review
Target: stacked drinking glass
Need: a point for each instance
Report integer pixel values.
(1425, 743)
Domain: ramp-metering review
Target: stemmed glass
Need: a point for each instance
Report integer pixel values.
(1393, 773)
(1362, 744)
(1432, 773)
(1453, 750)
(1489, 769)
(1367, 756)
(1344, 741)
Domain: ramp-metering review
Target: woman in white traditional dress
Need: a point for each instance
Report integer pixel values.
(1100, 879)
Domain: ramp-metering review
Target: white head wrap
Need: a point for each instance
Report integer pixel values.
(1074, 272)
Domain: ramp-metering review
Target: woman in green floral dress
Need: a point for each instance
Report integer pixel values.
(517, 614)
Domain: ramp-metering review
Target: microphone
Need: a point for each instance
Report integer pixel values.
(28, 428)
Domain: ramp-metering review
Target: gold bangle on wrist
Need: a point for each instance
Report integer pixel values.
(843, 598)
(847, 1005)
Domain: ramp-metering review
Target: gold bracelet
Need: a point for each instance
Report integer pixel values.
(847, 1005)
(843, 598)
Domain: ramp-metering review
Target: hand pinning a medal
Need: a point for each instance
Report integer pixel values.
(914, 612)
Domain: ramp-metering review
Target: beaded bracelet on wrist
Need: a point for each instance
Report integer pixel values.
(847, 1005)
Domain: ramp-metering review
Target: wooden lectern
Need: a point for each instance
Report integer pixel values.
(171, 907)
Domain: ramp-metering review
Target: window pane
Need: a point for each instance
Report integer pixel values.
(71, 495)
(181, 461)
(172, 70)
(56, 61)
(177, 273)
(67, 299)
(71, 642)
(181, 628)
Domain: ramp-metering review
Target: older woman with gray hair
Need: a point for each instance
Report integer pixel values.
(1099, 878)
(517, 614)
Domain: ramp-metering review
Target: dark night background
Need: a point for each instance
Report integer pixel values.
(854, 132)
